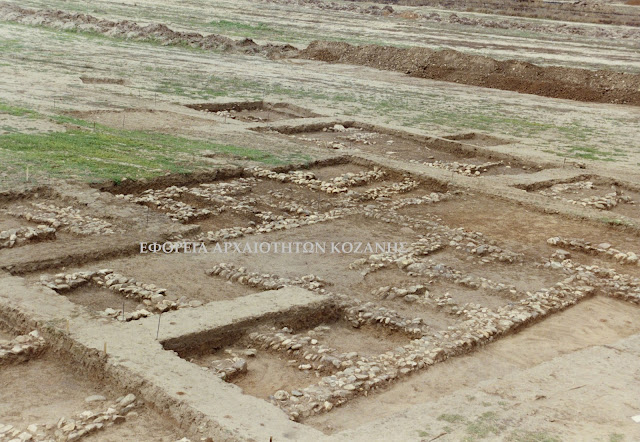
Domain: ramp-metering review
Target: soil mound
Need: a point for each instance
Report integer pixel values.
(131, 30)
(504, 22)
(512, 75)
(576, 11)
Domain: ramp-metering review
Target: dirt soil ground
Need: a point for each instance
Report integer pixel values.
(380, 310)
(510, 75)
(45, 389)
(592, 323)
(467, 184)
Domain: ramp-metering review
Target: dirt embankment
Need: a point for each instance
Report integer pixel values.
(576, 11)
(447, 65)
(511, 75)
(128, 29)
(476, 21)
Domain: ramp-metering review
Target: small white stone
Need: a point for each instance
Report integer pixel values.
(128, 399)
(5, 428)
(281, 395)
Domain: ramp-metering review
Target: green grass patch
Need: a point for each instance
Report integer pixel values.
(65, 119)
(10, 45)
(591, 153)
(109, 154)
(452, 418)
(588, 153)
(486, 425)
(16, 111)
(615, 221)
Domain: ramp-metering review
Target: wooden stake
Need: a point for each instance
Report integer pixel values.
(105, 348)
(158, 331)
(123, 310)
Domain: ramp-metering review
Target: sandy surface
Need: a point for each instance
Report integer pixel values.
(573, 376)
(593, 323)
(584, 395)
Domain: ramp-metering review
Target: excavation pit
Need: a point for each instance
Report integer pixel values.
(97, 300)
(65, 216)
(594, 192)
(51, 395)
(477, 139)
(463, 153)
(41, 391)
(329, 261)
(294, 199)
(226, 220)
(363, 326)
(265, 197)
(255, 111)
(540, 351)
(293, 354)
(422, 297)
(518, 228)
(165, 271)
(593, 322)
(328, 173)
(16, 232)
(266, 373)
(44, 224)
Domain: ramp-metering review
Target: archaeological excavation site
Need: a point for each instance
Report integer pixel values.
(311, 220)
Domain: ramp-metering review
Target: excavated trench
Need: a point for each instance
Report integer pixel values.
(599, 86)
(511, 75)
(582, 12)
(255, 111)
(606, 195)
(389, 319)
(286, 350)
(464, 153)
(77, 389)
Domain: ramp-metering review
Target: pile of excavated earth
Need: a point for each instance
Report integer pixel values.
(446, 65)
(453, 18)
(578, 11)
